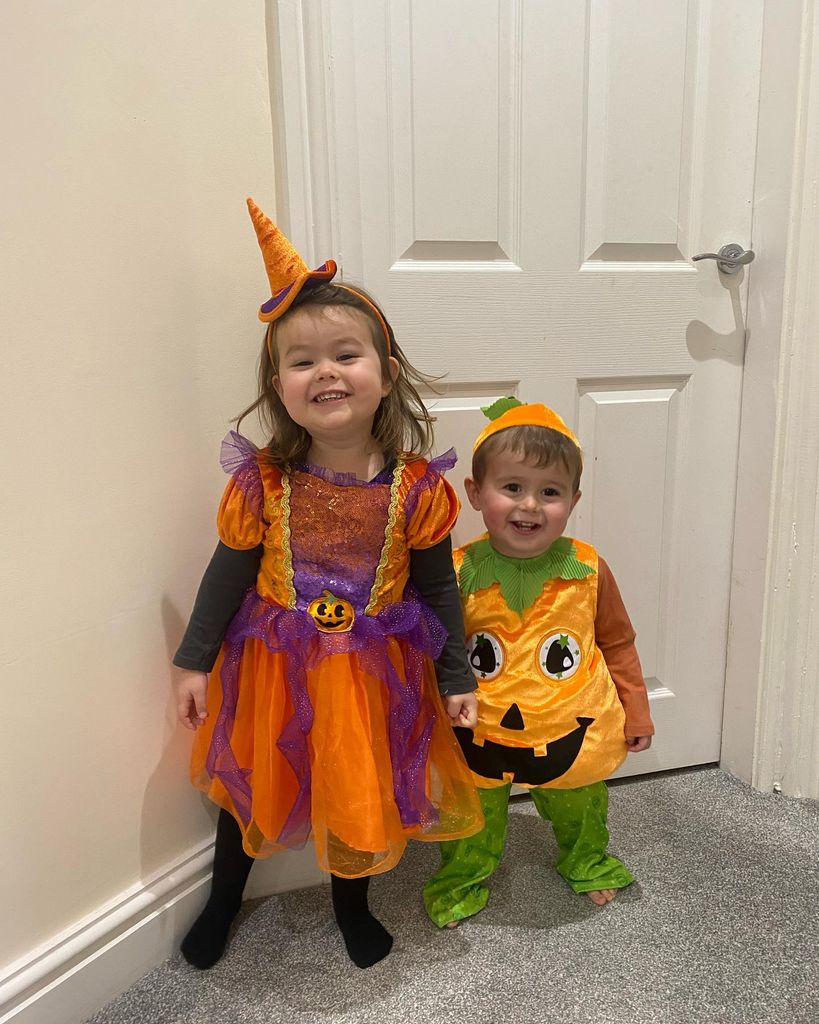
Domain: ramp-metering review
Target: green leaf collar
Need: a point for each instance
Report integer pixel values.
(520, 579)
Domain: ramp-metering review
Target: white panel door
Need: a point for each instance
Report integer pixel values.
(522, 184)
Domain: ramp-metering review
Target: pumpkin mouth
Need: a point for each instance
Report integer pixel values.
(335, 624)
(495, 761)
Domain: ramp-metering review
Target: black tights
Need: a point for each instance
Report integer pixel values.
(366, 939)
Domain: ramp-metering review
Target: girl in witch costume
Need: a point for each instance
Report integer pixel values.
(329, 617)
(561, 696)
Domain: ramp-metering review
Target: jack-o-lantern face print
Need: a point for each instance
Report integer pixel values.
(559, 657)
(331, 614)
(485, 655)
(521, 743)
(495, 760)
(548, 710)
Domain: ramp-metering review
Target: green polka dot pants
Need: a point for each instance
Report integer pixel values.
(578, 817)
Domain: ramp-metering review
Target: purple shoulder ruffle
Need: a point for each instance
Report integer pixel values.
(435, 470)
(239, 458)
(442, 463)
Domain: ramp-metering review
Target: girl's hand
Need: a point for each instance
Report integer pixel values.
(462, 709)
(191, 698)
(637, 743)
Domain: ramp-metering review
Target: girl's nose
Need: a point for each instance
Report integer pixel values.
(326, 370)
(528, 502)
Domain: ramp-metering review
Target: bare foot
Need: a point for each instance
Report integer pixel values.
(453, 924)
(601, 896)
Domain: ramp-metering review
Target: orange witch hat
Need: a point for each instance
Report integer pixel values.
(286, 270)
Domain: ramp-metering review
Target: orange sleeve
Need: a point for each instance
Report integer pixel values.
(239, 521)
(615, 636)
(434, 515)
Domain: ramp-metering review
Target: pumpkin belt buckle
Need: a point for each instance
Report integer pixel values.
(331, 614)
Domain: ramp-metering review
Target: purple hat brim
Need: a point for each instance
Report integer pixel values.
(278, 304)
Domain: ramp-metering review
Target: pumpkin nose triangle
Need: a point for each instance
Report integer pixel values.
(513, 719)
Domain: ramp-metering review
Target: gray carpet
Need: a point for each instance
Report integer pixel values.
(722, 927)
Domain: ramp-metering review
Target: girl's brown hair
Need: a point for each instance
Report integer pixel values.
(401, 424)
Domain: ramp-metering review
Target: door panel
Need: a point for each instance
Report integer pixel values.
(522, 184)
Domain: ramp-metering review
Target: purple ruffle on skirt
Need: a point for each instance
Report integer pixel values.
(293, 633)
(238, 459)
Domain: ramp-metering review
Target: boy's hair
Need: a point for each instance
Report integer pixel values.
(540, 446)
(401, 424)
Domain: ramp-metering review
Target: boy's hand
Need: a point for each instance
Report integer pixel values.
(191, 698)
(637, 743)
(462, 709)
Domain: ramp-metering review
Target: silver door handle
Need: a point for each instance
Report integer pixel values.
(730, 258)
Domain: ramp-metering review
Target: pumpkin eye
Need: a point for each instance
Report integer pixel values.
(485, 655)
(339, 611)
(321, 609)
(559, 656)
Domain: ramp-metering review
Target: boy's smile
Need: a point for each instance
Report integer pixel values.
(525, 507)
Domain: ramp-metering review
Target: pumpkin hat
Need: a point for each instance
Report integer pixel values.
(509, 412)
(288, 274)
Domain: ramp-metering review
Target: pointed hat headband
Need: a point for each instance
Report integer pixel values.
(288, 274)
(509, 412)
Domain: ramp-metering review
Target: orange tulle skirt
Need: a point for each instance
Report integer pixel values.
(355, 821)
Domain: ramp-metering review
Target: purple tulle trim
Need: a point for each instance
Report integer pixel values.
(293, 633)
(384, 476)
(435, 470)
(238, 459)
(442, 463)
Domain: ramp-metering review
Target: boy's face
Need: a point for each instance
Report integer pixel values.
(525, 508)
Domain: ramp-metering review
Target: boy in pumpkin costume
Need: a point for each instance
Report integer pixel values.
(561, 695)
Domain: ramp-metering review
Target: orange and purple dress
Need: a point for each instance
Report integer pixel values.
(324, 716)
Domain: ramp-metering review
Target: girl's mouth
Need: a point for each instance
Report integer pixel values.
(525, 527)
(330, 396)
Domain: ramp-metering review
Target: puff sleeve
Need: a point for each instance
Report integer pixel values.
(240, 519)
(432, 505)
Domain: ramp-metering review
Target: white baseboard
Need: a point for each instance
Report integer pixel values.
(77, 972)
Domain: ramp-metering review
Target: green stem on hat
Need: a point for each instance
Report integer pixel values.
(498, 408)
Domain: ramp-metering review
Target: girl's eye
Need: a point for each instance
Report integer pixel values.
(345, 357)
(302, 362)
(551, 492)
(512, 488)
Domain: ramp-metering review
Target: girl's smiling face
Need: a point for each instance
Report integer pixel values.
(330, 377)
(525, 507)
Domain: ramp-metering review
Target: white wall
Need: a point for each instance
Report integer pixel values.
(130, 277)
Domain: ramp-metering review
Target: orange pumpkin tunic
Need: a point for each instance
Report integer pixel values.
(550, 712)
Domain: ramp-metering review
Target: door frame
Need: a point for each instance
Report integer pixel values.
(771, 712)
(770, 734)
